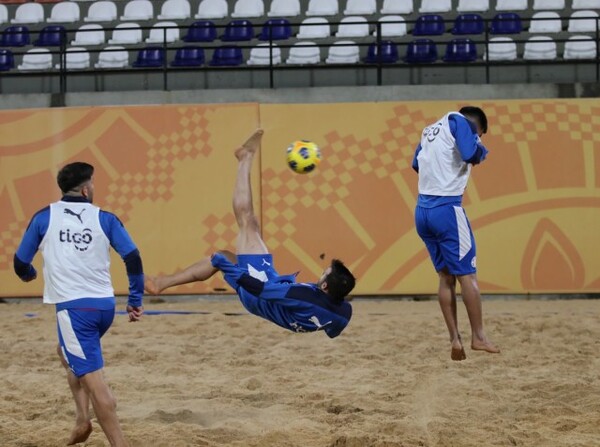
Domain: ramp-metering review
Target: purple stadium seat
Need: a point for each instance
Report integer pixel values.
(227, 56)
(429, 25)
(150, 57)
(387, 53)
(421, 51)
(201, 31)
(461, 50)
(188, 57)
(238, 30)
(15, 36)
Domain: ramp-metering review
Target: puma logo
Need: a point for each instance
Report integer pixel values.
(314, 320)
(73, 213)
(265, 262)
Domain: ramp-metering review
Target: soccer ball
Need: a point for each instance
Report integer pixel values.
(303, 156)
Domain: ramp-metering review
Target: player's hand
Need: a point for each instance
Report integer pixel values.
(29, 278)
(135, 313)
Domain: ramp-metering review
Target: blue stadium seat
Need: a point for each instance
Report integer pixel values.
(421, 51)
(15, 36)
(227, 56)
(429, 25)
(238, 30)
(461, 50)
(276, 29)
(150, 57)
(468, 24)
(506, 23)
(387, 53)
(201, 31)
(51, 36)
(7, 60)
(188, 57)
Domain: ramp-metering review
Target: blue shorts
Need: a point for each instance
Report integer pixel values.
(79, 333)
(447, 234)
(259, 267)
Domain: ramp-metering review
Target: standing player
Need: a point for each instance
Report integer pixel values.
(299, 307)
(74, 237)
(443, 160)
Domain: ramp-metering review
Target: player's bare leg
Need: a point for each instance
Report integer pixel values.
(105, 407)
(200, 271)
(83, 424)
(472, 300)
(249, 238)
(447, 300)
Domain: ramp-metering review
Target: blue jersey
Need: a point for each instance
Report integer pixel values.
(298, 307)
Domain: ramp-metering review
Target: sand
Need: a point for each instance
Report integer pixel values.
(236, 380)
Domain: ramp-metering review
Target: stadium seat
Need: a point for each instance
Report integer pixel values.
(468, 24)
(547, 22)
(580, 47)
(322, 8)
(15, 36)
(428, 6)
(544, 5)
(51, 36)
(238, 30)
(150, 57)
(227, 56)
(261, 55)
(421, 51)
(392, 26)
(7, 60)
(429, 25)
(583, 22)
(353, 27)
(76, 59)
(304, 53)
(540, 48)
(158, 33)
(29, 13)
(248, 8)
(101, 11)
(343, 52)
(92, 34)
(36, 59)
(511, 5)
(64, 12)
(314, 28)
(138, 10)
(175, 10)
(586, 4)
(385, 53)
(473, 5)
(113, 57)
(3, 14)
(397, 7)
(506, 23)
(461, 50)
(188, 57)
(202, 31)
(276, 29)
(502, 49)
(126, 34)
(360, 7)
(212, 9)
(284, 8)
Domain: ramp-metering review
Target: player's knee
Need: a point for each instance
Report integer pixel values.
(447, 279)
(61, 357)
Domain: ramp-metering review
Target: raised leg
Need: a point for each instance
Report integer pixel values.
(472, 300)
(447, 299)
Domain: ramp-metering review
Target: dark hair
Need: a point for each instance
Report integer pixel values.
(476, 112)
(73, 175)
(340, 280)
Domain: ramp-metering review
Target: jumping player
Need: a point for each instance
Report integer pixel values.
(299, 307)
(443, 160)
(74, 237)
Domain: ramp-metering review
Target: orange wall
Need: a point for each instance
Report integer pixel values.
(168, 172)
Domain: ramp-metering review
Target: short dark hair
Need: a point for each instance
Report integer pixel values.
(476, 112)
(340, 280)
(74, 175)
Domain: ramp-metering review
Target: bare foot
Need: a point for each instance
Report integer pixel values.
(151, 285)
(484, 345)
(80, 433)
(251, 145)
(458, 352)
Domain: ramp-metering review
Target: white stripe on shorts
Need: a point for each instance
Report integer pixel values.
(464, 233)
(68, 334)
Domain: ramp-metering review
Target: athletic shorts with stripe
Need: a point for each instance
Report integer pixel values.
(447, 234)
